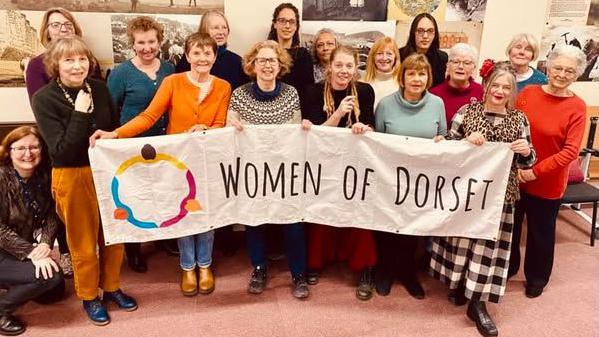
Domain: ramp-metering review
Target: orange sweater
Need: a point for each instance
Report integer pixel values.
(179, 97)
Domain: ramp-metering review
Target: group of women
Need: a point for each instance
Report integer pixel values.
(417, 91)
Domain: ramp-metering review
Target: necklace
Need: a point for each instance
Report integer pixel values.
(70, 99)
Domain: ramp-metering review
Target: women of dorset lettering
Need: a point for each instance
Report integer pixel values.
(68, 110)
(195, 101)
(268, 100)
(410, 111)
(557, 122)
(476, 269)
(341, 101)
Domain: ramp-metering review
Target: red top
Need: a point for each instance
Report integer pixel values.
(556, 126)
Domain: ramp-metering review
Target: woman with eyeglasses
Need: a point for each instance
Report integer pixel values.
(27, 268)
(459, 87)
(382, 68)
(424, 39)
(322, 45)
(522, 50)
(56, 23)
(285, 30)
(557, 123)
(268, 100)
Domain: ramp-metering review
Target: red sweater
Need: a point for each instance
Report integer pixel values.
(556, 126)
(455, 98)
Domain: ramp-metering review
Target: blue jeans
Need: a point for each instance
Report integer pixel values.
(196, 250)
(295, 242)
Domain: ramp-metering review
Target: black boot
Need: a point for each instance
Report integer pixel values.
(457, 296)
(134, 258)
(364, 290)
(477, 312)
(413, 286)
(11, 326)
(383, 281)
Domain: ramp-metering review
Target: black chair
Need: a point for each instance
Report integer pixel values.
(583, 192)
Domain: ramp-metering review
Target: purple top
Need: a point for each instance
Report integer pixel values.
(455, 98)
(35, 75)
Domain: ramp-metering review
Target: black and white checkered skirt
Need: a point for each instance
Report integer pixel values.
(480, 265)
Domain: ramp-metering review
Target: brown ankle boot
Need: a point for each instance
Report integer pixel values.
(189, 283)
(206, 284)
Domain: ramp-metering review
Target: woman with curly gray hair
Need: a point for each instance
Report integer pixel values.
(557, 123)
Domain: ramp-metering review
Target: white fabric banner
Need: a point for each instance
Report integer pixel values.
(177, 185)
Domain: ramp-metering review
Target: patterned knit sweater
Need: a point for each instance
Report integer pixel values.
(249, 108)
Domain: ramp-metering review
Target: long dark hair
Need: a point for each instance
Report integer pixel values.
(410, 46)
(272, 35)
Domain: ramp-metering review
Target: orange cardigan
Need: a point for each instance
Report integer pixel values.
(179, 97)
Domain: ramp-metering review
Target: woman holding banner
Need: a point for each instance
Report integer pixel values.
(477, 269)
(341, 101)
(67, 111)
(557, 118)
(195, 101)
(268, 100)
(411, 111)
(132, 85)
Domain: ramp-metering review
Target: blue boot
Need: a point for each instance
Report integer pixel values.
(124, 301)
(96, 312)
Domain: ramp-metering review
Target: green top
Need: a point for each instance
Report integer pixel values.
(423, 119)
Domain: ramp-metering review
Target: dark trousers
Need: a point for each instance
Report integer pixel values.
(18, 278)
(61, 237)
(541, 215)
(295, 243)
(396, 256)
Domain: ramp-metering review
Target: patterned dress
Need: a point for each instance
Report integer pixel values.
(479, 265)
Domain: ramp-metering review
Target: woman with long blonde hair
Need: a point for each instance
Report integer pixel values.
(341, 101)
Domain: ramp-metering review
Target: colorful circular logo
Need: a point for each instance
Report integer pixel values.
(149, 156)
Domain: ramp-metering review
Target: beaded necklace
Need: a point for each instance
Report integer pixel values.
(70, 99)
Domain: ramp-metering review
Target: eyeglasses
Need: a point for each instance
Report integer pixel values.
(321, 45)
(421, 31)
(283, 22)
(465, 63)
(20, 150)
(569, 72)
(262, 61)
(58, 25)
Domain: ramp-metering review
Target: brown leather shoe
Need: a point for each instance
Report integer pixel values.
(189, 283)
(206, 284)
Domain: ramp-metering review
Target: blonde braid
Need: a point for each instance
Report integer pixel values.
(354, 92)
(329, 102)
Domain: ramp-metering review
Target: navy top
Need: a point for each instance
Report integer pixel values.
(227, 66)
(132, 91)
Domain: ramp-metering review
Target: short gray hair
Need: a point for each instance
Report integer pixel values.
(464, 49)
(529, 39)
(568, 51)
